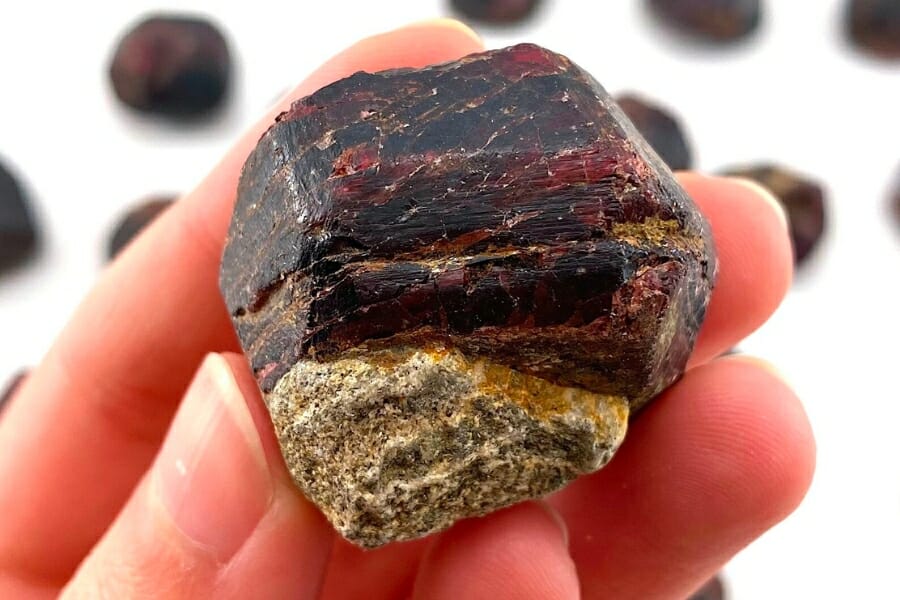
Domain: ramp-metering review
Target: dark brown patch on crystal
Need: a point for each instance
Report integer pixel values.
(661, 129)
(501, 204)
(134, 221)
(803, 201)
(709, 20)
(874, 26)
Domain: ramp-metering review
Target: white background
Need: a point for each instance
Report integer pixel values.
(795, 94)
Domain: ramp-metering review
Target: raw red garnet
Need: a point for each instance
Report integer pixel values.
(803, 201)
(172, 65)
(134, 221)
(660, 128)
(18, 237)
(496, 12)
(874, 26)
(710, 20)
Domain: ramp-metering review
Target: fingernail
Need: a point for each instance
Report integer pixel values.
(760, 363)
(212, 473)
(449, 24)
(766, 195)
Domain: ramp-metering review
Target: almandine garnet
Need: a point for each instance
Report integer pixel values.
(455, 284)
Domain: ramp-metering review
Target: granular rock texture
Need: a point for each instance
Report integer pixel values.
(18, 235)
(172, 65)
(710, 20)
(134, 221)
(874, 26)
(454, 284)
(803, 201)
(660, 128)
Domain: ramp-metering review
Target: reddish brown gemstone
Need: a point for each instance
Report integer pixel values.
(495, 12)
(710, 20)
(660, 128)
(501, 204)
(134, 221)
(803, 201)
(711, 590)
(172, 65)
(455, 284)
(874, 26)
(18, 237)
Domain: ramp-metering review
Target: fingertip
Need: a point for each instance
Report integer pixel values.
(518, 552)
(752, 449)
(783, 423)
(448, 25)
(755, 259)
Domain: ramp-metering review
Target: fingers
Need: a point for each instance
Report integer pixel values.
(755, 260)
(97, 407)
(518, 553)
(381, 574)
(722, 456)
(216, 515)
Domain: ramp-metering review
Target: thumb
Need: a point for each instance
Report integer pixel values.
(216, 515)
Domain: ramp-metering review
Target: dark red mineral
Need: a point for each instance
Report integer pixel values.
(18, 237)
(502, 205)
(172, 65)
(495, 12)
(874, 26)
(660, 128)
(713, 589)
(803, 201)
(134, 221)
(710, 20)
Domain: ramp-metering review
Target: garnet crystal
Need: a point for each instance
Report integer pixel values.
(455, 283)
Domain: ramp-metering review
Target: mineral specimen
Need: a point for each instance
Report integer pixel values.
(803, 201)
(661, 130)
(18, 237)
(874, 26)
(710, 20)
(11, 386)
(495, 12)
(455, 284)
(711, 590)
(172, 65)
(134, 222)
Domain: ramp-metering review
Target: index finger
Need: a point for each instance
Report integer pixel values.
(92, 415)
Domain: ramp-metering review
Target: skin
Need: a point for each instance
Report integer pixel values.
(105, 495)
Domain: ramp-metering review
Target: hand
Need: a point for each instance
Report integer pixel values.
(102, 497)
